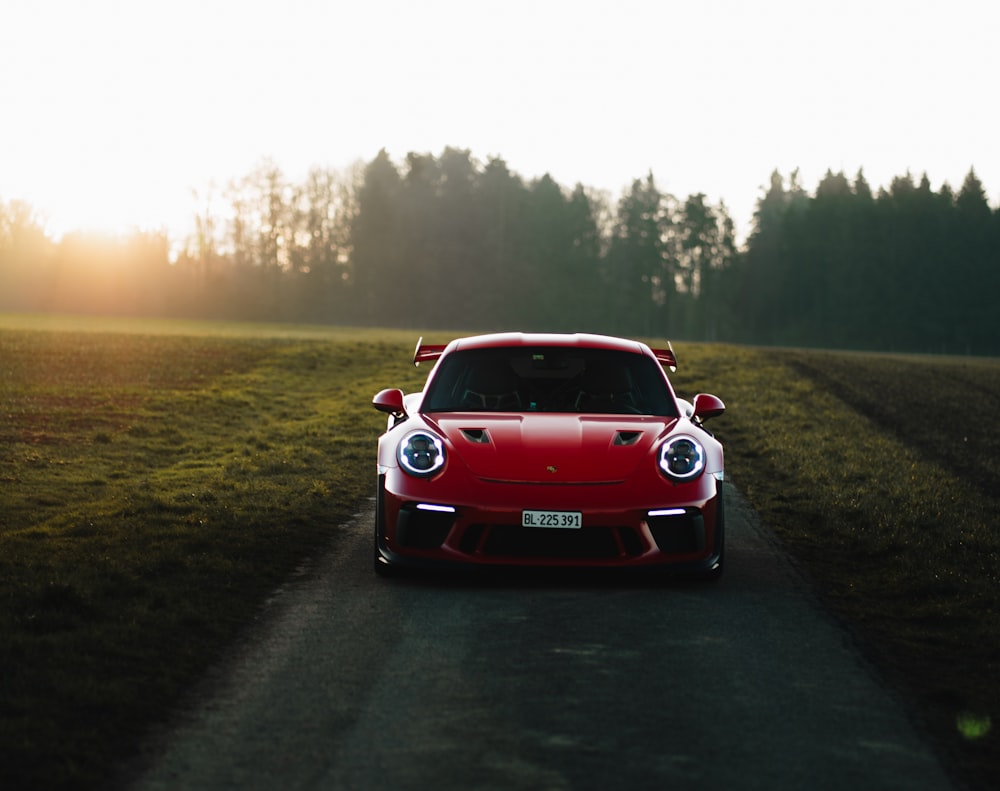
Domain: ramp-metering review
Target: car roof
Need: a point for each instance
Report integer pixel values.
(526, 339)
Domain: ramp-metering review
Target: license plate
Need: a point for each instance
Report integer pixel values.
(565, 519)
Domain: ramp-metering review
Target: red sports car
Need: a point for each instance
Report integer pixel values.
(548, 450)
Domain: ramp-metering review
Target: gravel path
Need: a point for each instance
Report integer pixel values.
(354, 682)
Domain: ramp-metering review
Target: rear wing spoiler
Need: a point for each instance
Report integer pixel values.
(666, 357)
(426, 351)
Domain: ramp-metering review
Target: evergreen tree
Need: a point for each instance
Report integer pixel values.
(377, 258)
(502, 198)
(459, 241)
(975, 276)
(708, 247)
(765, 274)
(642, 261)
(585, 308)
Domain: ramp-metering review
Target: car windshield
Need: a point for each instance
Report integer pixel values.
(549, 379)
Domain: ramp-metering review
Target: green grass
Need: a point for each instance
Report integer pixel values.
(159, 479)
(880, 474)
(153, 490)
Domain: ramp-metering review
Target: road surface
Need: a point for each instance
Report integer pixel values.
(355, 682)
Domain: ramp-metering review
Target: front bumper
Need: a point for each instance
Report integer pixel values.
(666, 526)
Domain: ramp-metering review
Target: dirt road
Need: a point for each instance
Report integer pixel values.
(354, 682)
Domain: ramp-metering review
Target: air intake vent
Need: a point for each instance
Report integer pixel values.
(477, 435)
(627, 437)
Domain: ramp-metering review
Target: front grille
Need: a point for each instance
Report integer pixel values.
(471, 538)
(524, 542)
(630, 542)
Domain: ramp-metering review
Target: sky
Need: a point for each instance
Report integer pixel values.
(114, 114)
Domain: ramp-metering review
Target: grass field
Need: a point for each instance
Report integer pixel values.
(159, 479)
(880, 473)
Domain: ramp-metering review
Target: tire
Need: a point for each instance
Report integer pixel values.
(381, 568)
(713, 574)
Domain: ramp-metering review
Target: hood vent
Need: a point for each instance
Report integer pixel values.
(627, 437)
(478, 435)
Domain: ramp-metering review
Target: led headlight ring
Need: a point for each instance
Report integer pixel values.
(682, 458)
(421, 453)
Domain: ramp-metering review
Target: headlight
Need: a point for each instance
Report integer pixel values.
(682, 458)
(421, 453)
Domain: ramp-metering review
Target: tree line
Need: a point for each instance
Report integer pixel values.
(451, 243)
(907, 268)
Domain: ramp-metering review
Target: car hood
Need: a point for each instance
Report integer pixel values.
(551, 448)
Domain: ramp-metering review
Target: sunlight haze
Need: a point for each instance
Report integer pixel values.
(115, 112)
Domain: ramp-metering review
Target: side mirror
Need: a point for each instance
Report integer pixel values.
(706, 406)
(390, 400)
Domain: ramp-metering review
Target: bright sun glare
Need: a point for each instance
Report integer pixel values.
(108, 196)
